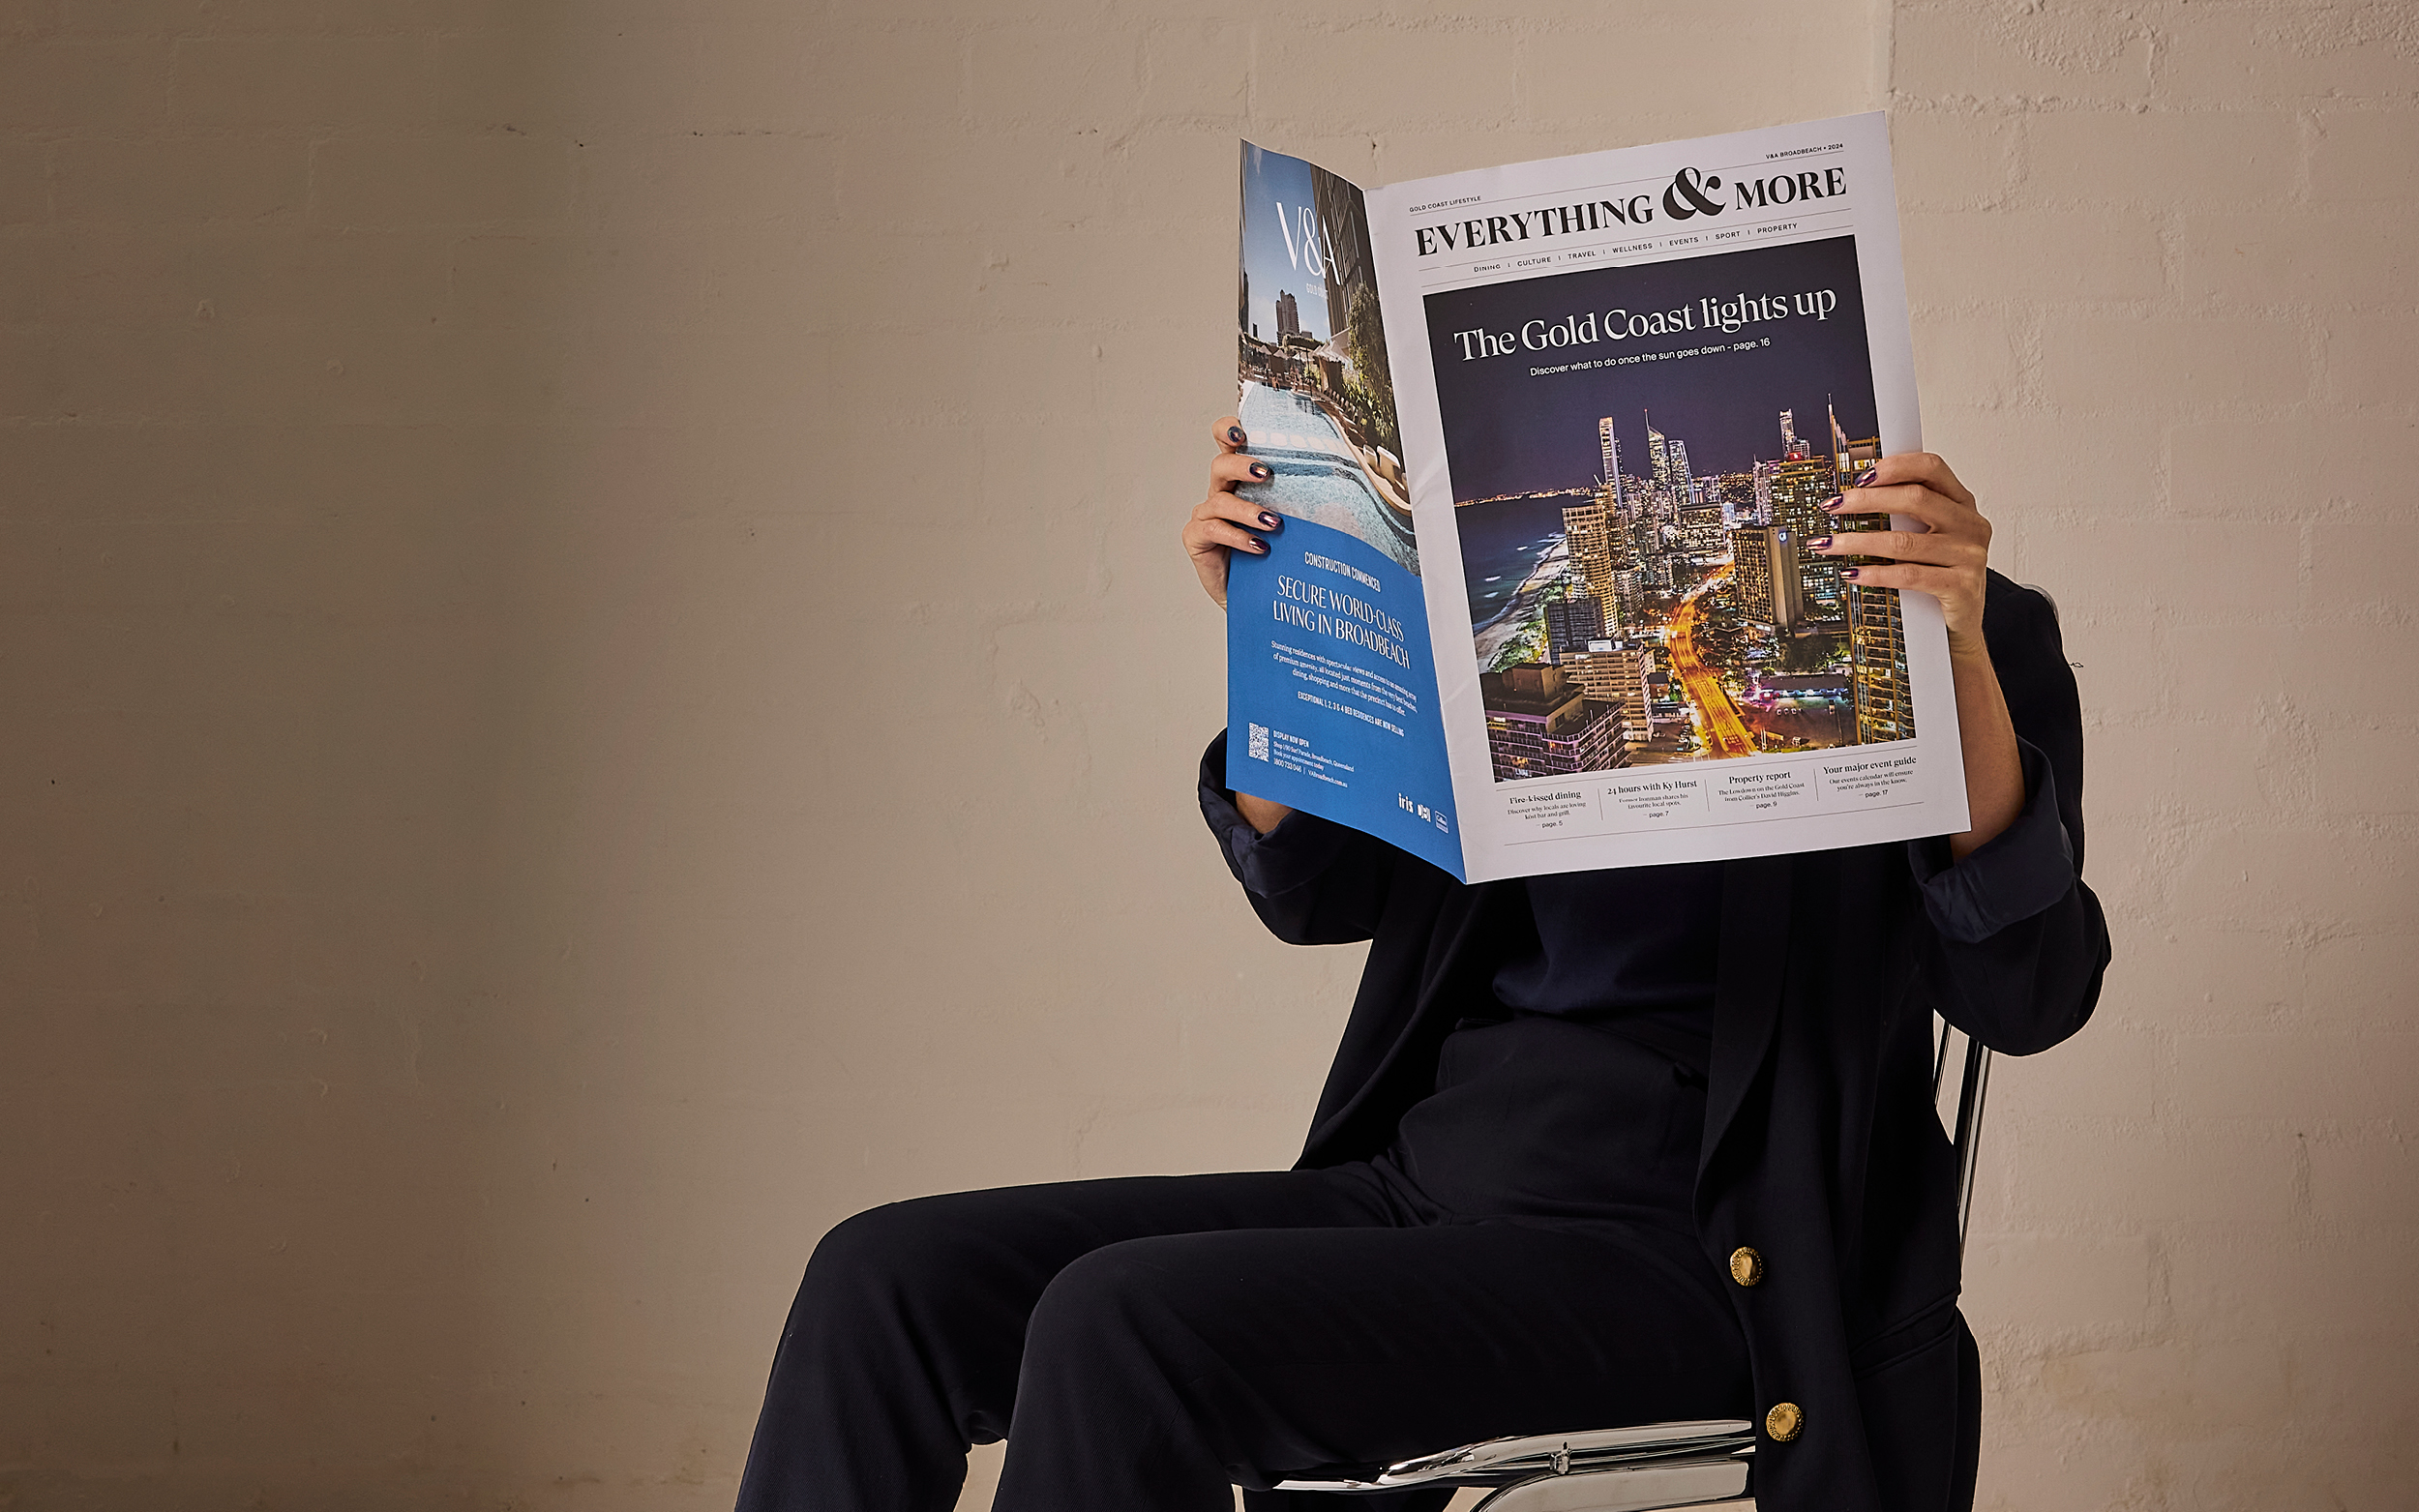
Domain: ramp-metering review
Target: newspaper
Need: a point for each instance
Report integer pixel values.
(1549, 440)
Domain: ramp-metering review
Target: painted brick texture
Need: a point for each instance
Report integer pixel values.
(599, 678)
(2164, 260)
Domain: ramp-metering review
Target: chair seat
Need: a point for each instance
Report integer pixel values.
(1506, 1462)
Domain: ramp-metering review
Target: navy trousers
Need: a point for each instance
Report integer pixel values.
(1144, 1342)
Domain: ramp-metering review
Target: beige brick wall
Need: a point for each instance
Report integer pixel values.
(597, 678)
(2162, 260)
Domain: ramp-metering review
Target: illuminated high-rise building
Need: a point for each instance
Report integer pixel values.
(1799, 490)
(1584, 532)
(1610, 444)
(1541, 722)
(1612, 671)
(1884, 693)
(1838, 438)
(1600, 550)
(1765, 579)
(1596, 669)
(1629, 587)
(1658, 456)
(1571, 622)
(1701, 524)
(1855, 456)
(1851, 459)
(1751, 572)
(1794, 448)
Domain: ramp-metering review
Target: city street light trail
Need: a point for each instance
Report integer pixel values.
(1724, 730)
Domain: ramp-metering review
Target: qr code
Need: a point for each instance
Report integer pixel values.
(1257, 747)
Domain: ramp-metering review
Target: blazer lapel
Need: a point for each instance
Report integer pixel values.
(1750, 962)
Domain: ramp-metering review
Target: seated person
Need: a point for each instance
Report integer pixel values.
(1598, 1148)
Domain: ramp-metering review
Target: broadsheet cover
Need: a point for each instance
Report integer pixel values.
(1549, 439)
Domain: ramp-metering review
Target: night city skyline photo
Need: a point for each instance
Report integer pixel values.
(1640, 459)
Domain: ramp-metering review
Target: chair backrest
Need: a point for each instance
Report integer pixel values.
(1965, 1124)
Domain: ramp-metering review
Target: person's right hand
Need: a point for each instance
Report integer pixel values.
(1222, 522)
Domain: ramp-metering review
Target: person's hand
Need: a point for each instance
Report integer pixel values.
(1947, 558)
(1223, 522)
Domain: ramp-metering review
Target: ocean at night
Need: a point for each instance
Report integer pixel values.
(1500, 545)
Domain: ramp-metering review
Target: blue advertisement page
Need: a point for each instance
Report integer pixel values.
(1332, 686)
(1331, 679)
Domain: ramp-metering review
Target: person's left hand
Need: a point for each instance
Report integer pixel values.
(1948, 557)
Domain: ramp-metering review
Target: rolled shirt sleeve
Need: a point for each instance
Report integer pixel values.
(2020, 872)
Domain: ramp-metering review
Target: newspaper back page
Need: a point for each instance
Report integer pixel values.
(1332, 702)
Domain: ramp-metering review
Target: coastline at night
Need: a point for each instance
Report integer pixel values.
(1667, 616)
(1634, 537)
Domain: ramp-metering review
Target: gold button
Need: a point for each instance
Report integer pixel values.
(1783, 1422)
(1747, 1268)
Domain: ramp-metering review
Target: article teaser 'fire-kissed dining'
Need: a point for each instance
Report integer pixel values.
(1639, 457)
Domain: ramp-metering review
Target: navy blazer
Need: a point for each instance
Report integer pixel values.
(1822, 1149)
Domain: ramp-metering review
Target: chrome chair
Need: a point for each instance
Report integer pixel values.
(1706, 1466)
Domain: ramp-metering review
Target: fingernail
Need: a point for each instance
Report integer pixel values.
(1270, 520)
(1234, 433)
(1819, 543)
(1847, 572)
(1863, 477)
(1261, 470)
(1835, 501)
(1259, 546)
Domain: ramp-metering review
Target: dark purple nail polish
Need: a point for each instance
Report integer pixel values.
(1835, 501)
(1863, 477)
(1259, 545)
(1819, 543)
(1261, 471)
(1234, 433)
(1847, 572)
(1270, 520)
